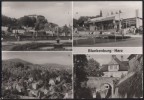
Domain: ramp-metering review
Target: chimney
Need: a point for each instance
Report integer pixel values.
(113, 56)
(137, 13)
(121, 58)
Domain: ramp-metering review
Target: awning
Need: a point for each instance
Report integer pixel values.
(101, 19)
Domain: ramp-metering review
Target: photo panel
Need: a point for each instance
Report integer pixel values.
(72, 49)
(107, 24)
(37, 75)
(36, 26)
(108, 76)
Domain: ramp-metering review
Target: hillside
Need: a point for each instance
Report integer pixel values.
(56, 66)
(16, 62)
(14, 70)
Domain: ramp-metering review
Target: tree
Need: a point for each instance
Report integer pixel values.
(75, 23)
(27, 21)
(36, 26)
(66, 29)
(80, 75)
(41, 24)
(93, 68)
(81, 20)
(9, 22)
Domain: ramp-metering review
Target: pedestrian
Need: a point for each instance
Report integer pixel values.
(98, 94)
(94, 92)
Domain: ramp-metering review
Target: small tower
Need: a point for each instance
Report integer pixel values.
(121, 58)
(100, 13)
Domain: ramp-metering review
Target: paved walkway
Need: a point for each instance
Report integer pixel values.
(132, 42)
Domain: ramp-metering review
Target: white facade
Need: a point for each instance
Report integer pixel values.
(115, 74)
(63, 34)
(4, 28)
(114, 69)
(19, 31)
(50, 33)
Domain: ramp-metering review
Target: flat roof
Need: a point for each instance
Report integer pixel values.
(122, 15)
(100, 19)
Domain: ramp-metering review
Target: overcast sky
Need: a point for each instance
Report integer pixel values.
(64, 58)
(105, 59)
(59, 12)
(92, 8)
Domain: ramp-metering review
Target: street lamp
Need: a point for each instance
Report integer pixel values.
(119, 28)
(122, 31)
(77, 14)
(119, 19)
(58, 39)
(115, 28)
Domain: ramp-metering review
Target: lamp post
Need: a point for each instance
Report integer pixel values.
(122, 30)
(119, 19)
(115, 28)
(58, 39)
(119, 22)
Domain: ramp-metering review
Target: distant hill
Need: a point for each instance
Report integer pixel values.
(12, 63)
(16, 60)
(56, 66)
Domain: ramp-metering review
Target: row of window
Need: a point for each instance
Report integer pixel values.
(113, 67)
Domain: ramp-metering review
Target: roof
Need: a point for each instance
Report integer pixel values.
(134, 55)
(104, 68)
(125, 78)
(100, 19)
(123, 15)
(123, 65)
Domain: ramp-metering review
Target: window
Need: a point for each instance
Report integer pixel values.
(115, 67)
(111, 67)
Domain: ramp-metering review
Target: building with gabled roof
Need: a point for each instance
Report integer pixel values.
(131, 85)
(115, 68)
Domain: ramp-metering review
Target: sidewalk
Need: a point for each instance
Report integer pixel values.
(133, 35)
(24, 42)
(131, 42)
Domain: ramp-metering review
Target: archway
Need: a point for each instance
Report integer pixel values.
(106, 90)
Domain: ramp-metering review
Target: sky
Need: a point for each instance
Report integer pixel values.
(105, 59)
(58, 12)
(63, 58)
(92, 8)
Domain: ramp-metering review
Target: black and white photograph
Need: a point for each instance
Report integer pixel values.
(71, 49)
(36, 26)
(108, 76)
(107, 24)
(36, 75)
